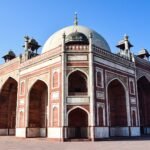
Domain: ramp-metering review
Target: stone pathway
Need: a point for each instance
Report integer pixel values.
(13, 143)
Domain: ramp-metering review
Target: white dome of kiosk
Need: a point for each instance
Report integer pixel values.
(56, 39)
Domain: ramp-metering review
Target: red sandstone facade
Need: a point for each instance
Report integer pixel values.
(76, 90)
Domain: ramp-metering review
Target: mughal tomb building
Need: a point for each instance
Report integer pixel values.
(76, 88)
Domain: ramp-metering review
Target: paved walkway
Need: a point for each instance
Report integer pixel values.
(12, 143)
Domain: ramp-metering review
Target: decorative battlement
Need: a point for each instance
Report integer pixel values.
(77, 47)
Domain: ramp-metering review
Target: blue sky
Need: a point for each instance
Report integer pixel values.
(40, 18)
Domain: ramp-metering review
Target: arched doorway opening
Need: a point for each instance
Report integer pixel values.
(78, 124)
(144, 104)
(77, 84)
(8, 103)
(117, 106)
(37, 118)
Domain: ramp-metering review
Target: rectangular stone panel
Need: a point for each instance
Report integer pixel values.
(100, 95)
(77, 57)
(74, 100)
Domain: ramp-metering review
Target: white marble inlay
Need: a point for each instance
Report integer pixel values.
(55, 95)
(100, 95)
(133, 100)
(77, 57)
(22, 102)
(77, 100)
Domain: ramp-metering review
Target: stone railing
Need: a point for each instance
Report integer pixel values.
(112, 57)
(13, 61)
(142, 61)
(77, 47)
(42, 57)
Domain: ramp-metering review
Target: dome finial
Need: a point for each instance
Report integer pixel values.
(76, 19)
(126, 36)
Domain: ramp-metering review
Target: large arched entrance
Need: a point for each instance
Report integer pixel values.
(78, 124)
(37, 118)
(8, 102)
(117, 107)
(144, 104)
(77, 84)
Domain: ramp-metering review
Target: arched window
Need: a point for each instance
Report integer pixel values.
(55, 117)
(55, 79)
(131, 87)
(21, 119)
(77, 83)
(22, 88)
(99, 79)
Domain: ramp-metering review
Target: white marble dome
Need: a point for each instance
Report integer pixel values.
(56, 39)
